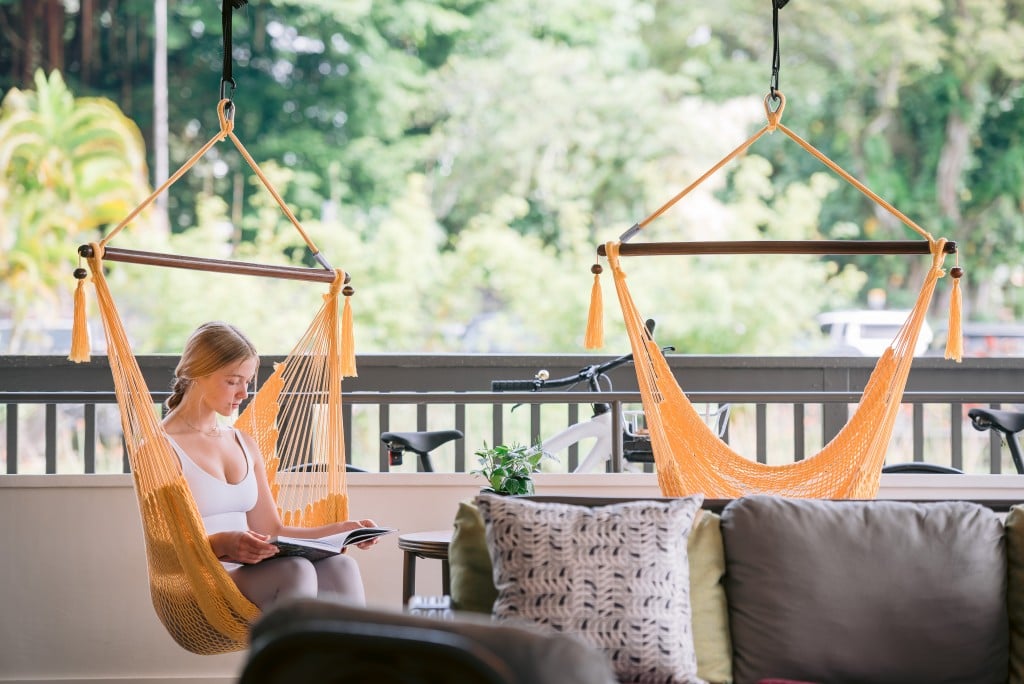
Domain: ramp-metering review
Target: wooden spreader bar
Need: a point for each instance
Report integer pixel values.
(838, 247)
(133, 256)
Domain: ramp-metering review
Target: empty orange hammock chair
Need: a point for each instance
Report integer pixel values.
(690, 458)
(295, 417)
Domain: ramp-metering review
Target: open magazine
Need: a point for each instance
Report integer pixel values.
(331, 545)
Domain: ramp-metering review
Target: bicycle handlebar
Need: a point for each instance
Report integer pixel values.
(515, 385)
(587, 373)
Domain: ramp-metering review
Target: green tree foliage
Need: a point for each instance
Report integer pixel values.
(71, 166)
(918, 99)
(463, 159)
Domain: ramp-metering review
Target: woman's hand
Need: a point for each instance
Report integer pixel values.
(242, 546)
(354, 524)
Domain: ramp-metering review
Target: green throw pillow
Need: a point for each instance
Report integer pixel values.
(469, 561)
(472, 585)
(1015, 591)
(710, 613)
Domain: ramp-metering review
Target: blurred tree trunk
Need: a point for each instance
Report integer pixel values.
(131, 44)
(29, 24)
(54, 35)
(86, 37)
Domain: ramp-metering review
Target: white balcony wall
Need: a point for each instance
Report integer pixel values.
(75, 598)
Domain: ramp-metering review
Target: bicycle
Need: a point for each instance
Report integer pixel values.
(636, 443)
(419, 443)
(1007, 423)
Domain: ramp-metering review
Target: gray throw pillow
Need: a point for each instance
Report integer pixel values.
(615, 576)
(1015, 590)
(866, 591)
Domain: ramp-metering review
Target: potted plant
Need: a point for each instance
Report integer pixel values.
(509, 469)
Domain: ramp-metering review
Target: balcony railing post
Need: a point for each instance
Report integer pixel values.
(832, 384)
(617, 429)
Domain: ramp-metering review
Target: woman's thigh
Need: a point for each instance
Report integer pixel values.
(276, 579)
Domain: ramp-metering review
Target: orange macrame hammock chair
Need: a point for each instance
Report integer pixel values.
(295, 417)
(689, 456)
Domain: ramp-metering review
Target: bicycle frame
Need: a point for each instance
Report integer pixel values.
(598, 428)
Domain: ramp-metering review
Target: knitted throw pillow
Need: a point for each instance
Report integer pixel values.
(615, 576)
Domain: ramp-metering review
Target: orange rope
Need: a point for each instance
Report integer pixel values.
(227, 126)
(686, 191)
(775, 122)
(593, 338)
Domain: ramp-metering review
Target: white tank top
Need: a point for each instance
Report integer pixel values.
(223, 505)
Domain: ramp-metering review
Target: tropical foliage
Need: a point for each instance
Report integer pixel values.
(71, 167)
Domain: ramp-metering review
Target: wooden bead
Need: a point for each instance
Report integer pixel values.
(596, 269)
(81, 273)
(956, 272)
(348, 290)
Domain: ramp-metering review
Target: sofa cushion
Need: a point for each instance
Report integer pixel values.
(617, 576)
(472, 586)
(878, 591)
(709, 614)
(1015, 591)
(536, 655)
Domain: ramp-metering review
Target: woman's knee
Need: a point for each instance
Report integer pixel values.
(340, 569)
(344, 563)
(339, 575)
(300, 571)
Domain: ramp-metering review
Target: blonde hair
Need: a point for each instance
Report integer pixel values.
(209, 348)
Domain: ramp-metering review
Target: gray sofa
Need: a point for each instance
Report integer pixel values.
(760, 590)
(779, 589)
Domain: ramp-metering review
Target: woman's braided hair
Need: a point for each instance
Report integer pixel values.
(212, 346)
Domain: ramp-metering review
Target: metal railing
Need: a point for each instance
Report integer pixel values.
(80, 431)
(59, 417)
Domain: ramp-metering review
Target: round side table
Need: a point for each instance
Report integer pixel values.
(424, 545)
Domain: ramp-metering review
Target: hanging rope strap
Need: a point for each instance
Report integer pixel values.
(80, 343)
(775, 123)
(227, 125)
(594, 335)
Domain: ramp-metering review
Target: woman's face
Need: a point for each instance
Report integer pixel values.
(226, 388)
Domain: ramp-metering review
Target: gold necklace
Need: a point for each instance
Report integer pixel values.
(212, 432)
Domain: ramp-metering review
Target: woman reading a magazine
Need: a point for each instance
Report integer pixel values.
(225, 472)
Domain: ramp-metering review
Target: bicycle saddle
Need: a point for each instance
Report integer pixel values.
(1004, 421)
(420, 442)
(921, 467)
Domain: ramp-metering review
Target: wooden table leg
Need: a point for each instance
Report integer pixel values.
(417, 545)
(408, 577)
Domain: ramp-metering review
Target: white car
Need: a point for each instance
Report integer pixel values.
(867, 332)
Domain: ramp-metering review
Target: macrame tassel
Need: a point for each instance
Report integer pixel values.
(348, 342)
(955, 340)
(80, 343)
(594, 339)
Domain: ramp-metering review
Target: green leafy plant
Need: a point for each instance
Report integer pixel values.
(509, 469)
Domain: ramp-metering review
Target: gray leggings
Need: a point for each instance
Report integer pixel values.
(282, 578)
